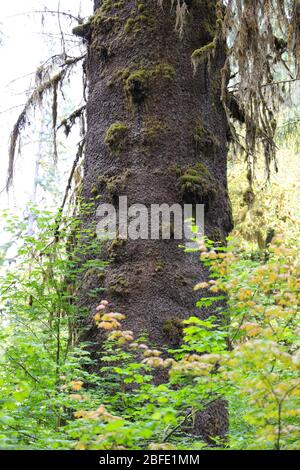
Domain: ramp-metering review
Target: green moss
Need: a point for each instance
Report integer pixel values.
(116, 137)
(203, 51)
(114, 246)
(173, 330)
(94, 274)
(152, 128)
(159, 267)
(119, 286)
(83, 30)
(115, 184)
(204, 139)
(139, 19)
(119, 75)
(94, 190)
(129, 25)
(196, 185)
(137, 83)
(102, 23)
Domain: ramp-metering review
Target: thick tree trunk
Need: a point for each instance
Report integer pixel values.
(154, 125)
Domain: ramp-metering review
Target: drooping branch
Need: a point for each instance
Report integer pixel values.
(69, 121)
(35, 99)
(261, 34)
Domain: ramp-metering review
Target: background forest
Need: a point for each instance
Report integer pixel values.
(57, 389)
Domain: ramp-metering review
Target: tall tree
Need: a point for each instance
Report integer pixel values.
(156, 132)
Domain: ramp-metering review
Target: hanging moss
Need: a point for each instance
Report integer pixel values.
(196, 185)
(116, 137)
(205, 52)
(94, 190)
(249, 197)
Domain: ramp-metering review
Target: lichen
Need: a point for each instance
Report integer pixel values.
(116, 137)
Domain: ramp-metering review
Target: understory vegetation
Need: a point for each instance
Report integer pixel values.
(53, 396)
(172, 95)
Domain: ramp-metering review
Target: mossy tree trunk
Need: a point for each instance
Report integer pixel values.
(148, 113)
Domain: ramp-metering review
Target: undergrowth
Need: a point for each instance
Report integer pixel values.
(55, 395)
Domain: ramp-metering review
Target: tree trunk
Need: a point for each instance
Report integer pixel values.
(157, 133)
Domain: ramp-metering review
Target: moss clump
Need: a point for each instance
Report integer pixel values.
(114, 246)
(249, 197)
(83, 30)
(137, 83)
(173, 330)
(152, 128)
(94, 190)
(119, 75)
(94, 277)
(109, 5)
(135, 25)
(159, 267)
(116, 137)
(139, 19)
(197, 186)
(202, 53)
(204, 139)
(102, 23)
(119, 286)
(115, 184)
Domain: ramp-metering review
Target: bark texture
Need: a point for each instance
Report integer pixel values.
(157, 133)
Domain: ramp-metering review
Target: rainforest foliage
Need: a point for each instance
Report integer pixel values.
(55, 395)
(74, 376)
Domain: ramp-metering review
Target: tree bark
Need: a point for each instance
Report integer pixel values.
(153, 123)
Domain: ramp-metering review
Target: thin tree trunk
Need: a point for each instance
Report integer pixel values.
(157, 133)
